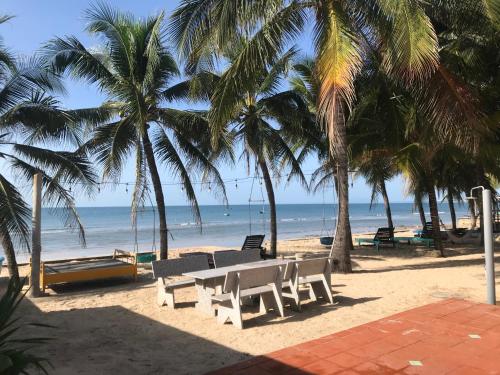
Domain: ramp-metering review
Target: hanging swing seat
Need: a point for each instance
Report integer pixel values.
(121, 264)
(326, 236)
(145, 257)
(326, 240)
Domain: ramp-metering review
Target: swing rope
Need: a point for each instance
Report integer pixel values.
(323, 228)
(251, 200)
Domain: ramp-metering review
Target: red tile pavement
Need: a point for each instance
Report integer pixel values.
(432, 339)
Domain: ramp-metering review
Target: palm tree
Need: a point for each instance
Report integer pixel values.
(376, 131)
(415, 160)
(264, 119)
(468, 33)
(343, 31)
(28, 119)
(30, 122)
(377, 168)
(134, 69)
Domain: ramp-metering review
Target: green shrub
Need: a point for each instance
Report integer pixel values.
(16, 352)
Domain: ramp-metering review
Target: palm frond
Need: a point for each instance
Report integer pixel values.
(141, 183)
(69, 55)
(259, 52)
(70, 167)
(411, 46)
(14, 213)
(111, 144)
(168, 154)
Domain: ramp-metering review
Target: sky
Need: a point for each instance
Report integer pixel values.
(38, 21)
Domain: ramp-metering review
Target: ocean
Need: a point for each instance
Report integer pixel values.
(109, 228)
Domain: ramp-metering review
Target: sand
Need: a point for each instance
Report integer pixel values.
(116, 325)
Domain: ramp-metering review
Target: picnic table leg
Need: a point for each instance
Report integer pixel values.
(266, 302)
(204, 303)
(318, 289)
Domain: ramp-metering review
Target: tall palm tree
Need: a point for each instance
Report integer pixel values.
(469, 35)
(343, 31)
(29, 119)
(376, 130)
(31, 123)
(135, 70)
(263, 120)
(415, 160)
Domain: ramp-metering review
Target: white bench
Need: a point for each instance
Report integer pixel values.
(316, 273)
(264, 282)
(164, 269)
(233, 257)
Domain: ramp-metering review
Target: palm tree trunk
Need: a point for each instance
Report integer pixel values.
(436, 231)
(420, 208)
(10, 254)
(387, 205)
(160, 200)
(272, 205)
(342, 246)
(452, 210)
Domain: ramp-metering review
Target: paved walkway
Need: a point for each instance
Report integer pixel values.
(451, 336)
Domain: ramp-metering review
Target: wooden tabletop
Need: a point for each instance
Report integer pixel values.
(222, 271)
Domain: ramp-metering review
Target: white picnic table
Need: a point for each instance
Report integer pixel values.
(206, 281)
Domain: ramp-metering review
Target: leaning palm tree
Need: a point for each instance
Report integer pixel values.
(343, 32)
(263, 120)
(134, 69)
(27, 123)
(31, 123)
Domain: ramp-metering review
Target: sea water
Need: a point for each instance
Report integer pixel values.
(109, 228)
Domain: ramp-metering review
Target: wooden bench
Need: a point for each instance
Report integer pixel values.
(316, 273)
(165, 269)
(232, 257)
(264, 282)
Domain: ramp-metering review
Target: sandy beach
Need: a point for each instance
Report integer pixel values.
(116, 325)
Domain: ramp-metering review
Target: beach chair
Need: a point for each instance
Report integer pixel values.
(425, 235)
(254, 242)
(383, 236)
(232, 257)
(316, 273)
(264, 282)
(165, 269)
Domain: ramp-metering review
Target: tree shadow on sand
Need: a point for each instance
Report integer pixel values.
(106, 340)
(449, 262)
(149, 347)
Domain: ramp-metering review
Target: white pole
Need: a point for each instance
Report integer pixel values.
(489, 254)
(36, 234)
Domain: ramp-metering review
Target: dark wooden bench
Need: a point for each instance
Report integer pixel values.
(255, 241)
(231, 257)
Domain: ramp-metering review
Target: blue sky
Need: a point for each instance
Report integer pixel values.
(37, 21)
